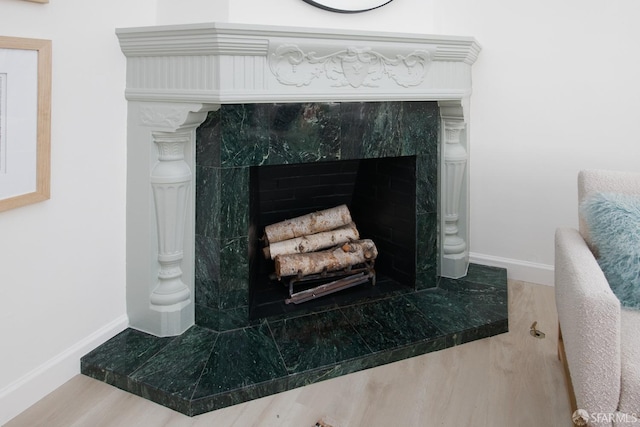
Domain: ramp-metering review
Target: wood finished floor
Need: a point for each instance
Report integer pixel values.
(511, 379)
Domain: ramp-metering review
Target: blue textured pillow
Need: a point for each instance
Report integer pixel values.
(614, 227)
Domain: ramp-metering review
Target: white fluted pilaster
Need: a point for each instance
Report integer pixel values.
(171, 183)
(161, 216)
(455, 251)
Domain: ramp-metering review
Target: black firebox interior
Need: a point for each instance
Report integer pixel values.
(381, 195)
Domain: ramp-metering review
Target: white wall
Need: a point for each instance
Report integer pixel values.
(555, 90)
(62, 271)
(191, 11)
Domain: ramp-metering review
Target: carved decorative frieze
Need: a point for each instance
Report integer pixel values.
(155, 116)
(172, 116)
(352, 66)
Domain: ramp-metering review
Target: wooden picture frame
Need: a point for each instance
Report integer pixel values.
(25, 121)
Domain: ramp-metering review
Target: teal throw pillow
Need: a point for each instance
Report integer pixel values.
(614, 226)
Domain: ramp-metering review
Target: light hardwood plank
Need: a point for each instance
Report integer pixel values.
(511, 379)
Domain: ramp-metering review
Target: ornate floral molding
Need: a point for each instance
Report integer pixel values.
(352, 66)
(171, 117)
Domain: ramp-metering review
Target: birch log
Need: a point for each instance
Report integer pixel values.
(313, 242)
(332, 259)
(312, 223)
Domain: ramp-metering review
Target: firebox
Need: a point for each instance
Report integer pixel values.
(380, 196)
(257, 164)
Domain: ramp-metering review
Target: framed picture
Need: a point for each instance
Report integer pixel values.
(25, 121)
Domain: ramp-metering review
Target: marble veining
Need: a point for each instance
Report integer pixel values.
(204, 370)
(237, 137)
(322, 339)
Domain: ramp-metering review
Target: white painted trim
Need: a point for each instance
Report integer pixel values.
(30, 388)
(222, 38)
(532, 272)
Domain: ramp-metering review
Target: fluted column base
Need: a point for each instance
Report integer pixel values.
(454, 261)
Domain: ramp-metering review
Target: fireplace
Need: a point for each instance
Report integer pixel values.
(177, 75)
(212, 108)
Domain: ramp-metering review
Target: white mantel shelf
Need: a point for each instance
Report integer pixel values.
(177, 74)
(230, 63)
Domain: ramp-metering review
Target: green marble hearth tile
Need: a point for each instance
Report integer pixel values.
(208, 201)
(234, 273)
(222, 320)
(368, 293)
(234, 202)
(302, 133)
(493, 276)
(234, 318)
(312, 376)
(326, 303)
(390, 323)
(208, 141)
(241, 358)
(488, 297)
(411, 350)
(379, 358)
(274, 356)
(319, 340)
(453, 312)
(240, 395)
(244, 134)
(484, 331)
(121, 355)
(176, 369)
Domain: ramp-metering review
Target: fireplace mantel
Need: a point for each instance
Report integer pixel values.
(176, 74)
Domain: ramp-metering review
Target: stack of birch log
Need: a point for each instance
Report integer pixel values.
(321, 241)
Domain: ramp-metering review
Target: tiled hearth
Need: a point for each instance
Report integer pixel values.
(203, 370)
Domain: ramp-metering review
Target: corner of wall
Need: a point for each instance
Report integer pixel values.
(30, 388)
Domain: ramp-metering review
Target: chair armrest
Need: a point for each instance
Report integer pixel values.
(589, 316)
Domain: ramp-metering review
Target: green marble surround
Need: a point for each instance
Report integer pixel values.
(237, 137)
(203, 370)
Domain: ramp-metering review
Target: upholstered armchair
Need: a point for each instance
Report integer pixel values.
(599, 340)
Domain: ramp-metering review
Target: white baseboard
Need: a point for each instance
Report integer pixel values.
(517, 269)
(27, 390)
